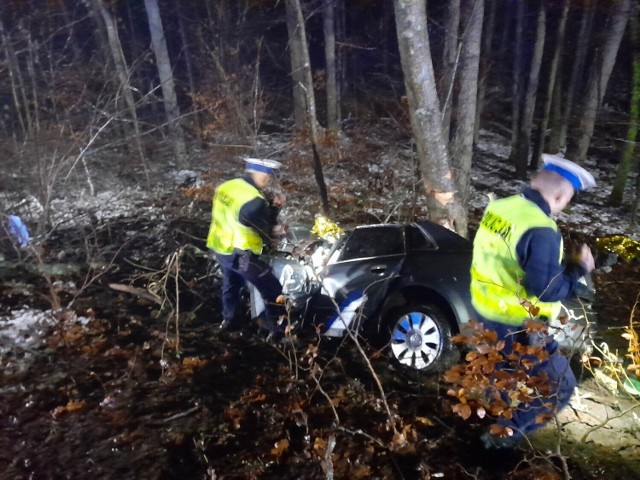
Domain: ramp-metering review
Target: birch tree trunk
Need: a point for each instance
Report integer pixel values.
(521, 145)
(599, 74)
(464, 116)
(539, 145)
(165, 74)
(443, 199)
(629, 154)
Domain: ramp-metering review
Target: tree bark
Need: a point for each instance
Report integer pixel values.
(539, 145)
(629, 158)
(599, 74)
(485, 66)
(464, 114)
(18, 91)
(443, 199)
(123, 75)
(297, 67)
(518, 72)
(450, 54)
(558, 136)
(298, 42)
(333, 95)
(521, 145)
(165, 73)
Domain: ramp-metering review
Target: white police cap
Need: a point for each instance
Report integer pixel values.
(263, 165)
(579, 178)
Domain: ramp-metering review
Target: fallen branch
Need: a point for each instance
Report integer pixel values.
(140, 292)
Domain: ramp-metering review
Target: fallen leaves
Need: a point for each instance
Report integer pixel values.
(71, 407)
(280, 447)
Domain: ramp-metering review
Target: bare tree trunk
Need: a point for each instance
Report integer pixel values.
(629, 159)
(450, 54)
(18, 91)
(556, 113)
(465, 111)
(123, 76)
(558, 137)
(539, 145)
(341, 60)
(333, 95)
(443, 199)
(518, 73)
(297, 68)
(133, 44)
(299, 43)
(598, 79)
(521, 145)
(165, 74)
(186, 52)
(485, 66)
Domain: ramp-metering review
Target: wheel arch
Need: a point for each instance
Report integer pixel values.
(422, 295)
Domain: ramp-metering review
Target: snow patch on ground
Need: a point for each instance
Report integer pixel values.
(24, 328)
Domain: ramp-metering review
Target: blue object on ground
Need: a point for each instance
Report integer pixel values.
(18, 230)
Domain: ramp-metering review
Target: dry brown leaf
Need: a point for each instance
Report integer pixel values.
(280, 447)
(500, 430)
(424, 421)
(462, 409)
(360, 471)
(236, 416)
(71, 406)
(320, 446)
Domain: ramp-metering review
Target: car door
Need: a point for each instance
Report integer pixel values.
(357, 278)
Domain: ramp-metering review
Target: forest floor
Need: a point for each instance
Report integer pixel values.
(135, 382)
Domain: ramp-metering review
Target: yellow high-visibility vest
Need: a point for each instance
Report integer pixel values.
(496, 275)
(226, 233)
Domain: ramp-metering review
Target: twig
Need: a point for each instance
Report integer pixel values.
(607, 420)
(180, 415)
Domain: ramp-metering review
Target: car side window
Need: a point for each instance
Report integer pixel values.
(418, 241)
(373, 242)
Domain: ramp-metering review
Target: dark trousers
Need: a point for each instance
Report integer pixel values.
(244, 266)
(561, 378)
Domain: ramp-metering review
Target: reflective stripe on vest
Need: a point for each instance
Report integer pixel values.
(496, 274)
(226, 233)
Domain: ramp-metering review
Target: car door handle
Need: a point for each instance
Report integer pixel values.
(378, 269)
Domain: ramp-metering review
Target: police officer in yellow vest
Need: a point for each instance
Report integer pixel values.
(518, 273)
(242, 221)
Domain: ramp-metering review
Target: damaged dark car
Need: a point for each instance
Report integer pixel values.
(404, 287)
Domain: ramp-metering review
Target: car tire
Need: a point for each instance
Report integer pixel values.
(419, 339)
